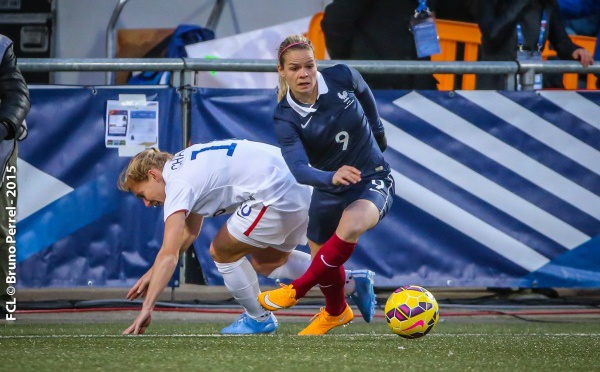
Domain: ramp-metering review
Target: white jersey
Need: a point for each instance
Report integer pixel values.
(216, 178)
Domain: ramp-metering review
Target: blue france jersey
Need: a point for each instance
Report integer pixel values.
(338, 129)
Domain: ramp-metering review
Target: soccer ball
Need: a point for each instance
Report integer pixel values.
(411, 311)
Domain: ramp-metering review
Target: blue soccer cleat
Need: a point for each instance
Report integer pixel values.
(364, 294)
(245, 325)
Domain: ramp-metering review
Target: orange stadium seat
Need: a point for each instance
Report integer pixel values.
(451, 34)
(570, 80)
(316, 36)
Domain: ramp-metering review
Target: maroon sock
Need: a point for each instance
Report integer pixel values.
(335, 298)
(324, 268)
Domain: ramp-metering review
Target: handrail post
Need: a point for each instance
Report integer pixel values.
(510, 82)
(527, 78)
(187, 258)
(110, 29)
(185, 89)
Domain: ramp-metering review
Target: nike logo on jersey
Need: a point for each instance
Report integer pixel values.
(269, 303)
(305, 124)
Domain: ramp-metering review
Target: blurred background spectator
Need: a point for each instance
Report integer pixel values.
(498, 20)
(457, 10)
(376, 30)
(582, 17)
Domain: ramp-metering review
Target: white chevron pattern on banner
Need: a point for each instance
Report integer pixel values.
(575, 104)
(466, 223)
(36, 189)
(536, 127)
(483, 188)
(509, 157)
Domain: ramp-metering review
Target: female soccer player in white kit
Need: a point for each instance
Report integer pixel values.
(269, 217)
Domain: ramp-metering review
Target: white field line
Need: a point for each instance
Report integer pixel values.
(8, 337)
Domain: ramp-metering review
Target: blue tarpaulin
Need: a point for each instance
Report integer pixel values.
(497, 189)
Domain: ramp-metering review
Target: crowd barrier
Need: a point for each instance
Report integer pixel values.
(75, 228)
(498, 189)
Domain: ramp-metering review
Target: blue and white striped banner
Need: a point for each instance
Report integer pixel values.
(493, 188)
(497, 189)
(517, 174)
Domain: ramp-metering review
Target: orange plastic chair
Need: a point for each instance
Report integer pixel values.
(451, 33)
(570, 81)
(316, 36)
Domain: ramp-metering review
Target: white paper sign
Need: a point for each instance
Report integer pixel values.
(131, 124)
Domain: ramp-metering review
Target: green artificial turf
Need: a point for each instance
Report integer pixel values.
(526, 346)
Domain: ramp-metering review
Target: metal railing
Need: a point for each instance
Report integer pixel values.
(265, 65)
(182, 69)
(269, 65)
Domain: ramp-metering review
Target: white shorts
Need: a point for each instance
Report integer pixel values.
(281, 225)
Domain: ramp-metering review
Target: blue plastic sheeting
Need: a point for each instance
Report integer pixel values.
(493, 189)
(496, 189)
(94, 235)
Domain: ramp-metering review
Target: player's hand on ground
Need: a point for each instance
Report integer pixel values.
(140, 287)
(140, 324)
(346, 175)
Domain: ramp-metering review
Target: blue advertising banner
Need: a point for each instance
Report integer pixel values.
(497, 189)
(493, 189)
(75, 227)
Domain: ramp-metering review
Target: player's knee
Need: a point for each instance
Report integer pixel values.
(224, 255)
(217, 255)
(212, 252)
(355, 222)
(262, 268)
(265, 268)
(351, 229)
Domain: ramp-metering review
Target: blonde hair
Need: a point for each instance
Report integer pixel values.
(292, 42)
(137, 170)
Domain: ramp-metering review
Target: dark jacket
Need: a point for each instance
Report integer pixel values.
(14, 95)
(498, 20)
(375, 30)
(14, 104)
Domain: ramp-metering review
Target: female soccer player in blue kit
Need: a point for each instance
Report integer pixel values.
(332, 138)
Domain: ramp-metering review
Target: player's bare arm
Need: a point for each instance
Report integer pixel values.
(140, 288)
(193, 225)
(162, 270)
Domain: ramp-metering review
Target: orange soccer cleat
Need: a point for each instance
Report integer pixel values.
(323, 322)
(280, 298)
